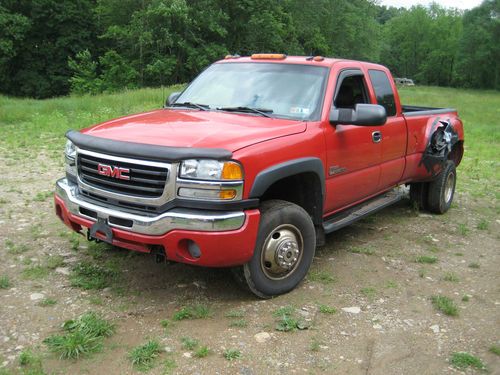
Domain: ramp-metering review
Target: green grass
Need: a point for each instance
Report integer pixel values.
(35, 272)
(189, 343)
(369, 292)
(426, 259)
(240, 323)
(451, 276)
(463, 360)
(165, 323)
(81, 337)
(483, 225)
(4, 282)
(196, 311)
(362, 250)
(287, 320)
(474, 265)
(465, 298)
(325, 309)
(42, 196)
(232, 354)
(235, 314)
(89, 276)
(321, 277)
(445, 305)
(54, 262)
(143, 357)
(31, 363)
(47, 302)
(495, 349)
(202, 352)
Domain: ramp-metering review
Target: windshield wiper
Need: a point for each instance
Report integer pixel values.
(261, 111)
(203, 107)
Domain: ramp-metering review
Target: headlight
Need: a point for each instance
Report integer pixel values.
(70, 149)
(207, 169)
(69, 158)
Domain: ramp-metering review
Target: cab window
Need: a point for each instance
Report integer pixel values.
(383, 91)
(352, 91)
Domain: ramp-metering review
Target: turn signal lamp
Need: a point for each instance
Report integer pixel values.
(232, 171)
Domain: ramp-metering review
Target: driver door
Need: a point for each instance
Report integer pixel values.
(353, 152)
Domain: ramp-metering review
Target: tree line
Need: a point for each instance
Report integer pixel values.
(54, 47)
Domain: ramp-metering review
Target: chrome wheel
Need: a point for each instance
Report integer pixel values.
(282, 251)
(448, 187)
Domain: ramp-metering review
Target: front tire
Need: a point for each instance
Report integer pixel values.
(284, 249)
(442, 189)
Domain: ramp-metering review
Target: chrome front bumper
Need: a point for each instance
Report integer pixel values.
(178, 218)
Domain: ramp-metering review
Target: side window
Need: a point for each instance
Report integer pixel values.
(383, 91)
(352, 91)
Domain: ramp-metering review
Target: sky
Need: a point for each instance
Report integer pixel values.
(461, 4)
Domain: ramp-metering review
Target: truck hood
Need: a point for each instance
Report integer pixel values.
(193, 128)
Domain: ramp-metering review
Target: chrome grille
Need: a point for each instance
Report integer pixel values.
(146, 181)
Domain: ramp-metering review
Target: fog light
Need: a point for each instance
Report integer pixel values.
(194, 249)
(227, 194)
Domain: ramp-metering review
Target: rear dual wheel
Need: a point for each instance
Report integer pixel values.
(284, 250)
(436, 196)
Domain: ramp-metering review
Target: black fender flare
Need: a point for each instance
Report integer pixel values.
(269, 176)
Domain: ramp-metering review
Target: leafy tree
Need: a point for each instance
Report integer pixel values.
(84, 79)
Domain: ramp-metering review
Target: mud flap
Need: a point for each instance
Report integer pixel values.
(441, 142)
(102, 227)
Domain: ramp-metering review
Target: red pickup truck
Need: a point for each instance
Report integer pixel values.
(254, 162)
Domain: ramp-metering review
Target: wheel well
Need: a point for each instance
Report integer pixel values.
(303, 189)
(457, 152)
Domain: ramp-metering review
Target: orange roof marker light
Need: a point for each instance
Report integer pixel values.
(232, 57)
(315, 58)
(268, 56)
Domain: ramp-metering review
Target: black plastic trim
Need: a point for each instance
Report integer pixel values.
(144, 151)
(424, 111)
(289, 168)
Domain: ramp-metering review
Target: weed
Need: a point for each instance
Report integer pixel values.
(321, 277)
(463, 360)
(232, 354)
(143, 356)
(31, 363)
(165, 323)
(47, 302)
(14, 249)
(426, 259)
(169, 365)
(391, 284)
(4, 282)
(287, 324)
(235, 314)
(91, 324)
(202, 352)
(483, 225)
(73, 345)
(362, 250)
(315, 345)
(325, 309)
(54, 262)
(198, 311)
(450, 276)
(421, 273)
(465, 298)
(369, 292)
(189, 343)
(42, 196)
(74, 241)
(462, 229)
(459, 254)
(241, 323)
(96, 300)
(445, 305)
(284, 311)
(90, 276)
(474, 265)
(495, 349)
(35, 272)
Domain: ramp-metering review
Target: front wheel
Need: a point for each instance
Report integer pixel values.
(284, 249)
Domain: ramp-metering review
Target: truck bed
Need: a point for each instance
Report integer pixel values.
(413, 110)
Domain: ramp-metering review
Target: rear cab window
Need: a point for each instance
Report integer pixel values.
(383, 91)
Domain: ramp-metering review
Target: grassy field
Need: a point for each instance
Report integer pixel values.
(423, 287)
(32, 126)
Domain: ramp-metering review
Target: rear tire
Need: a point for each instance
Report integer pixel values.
(419, 194)
(283, 252)
(442, 189)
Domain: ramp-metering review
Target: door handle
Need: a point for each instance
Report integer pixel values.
(376, 136)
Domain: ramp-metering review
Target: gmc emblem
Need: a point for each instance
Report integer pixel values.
(114, 172)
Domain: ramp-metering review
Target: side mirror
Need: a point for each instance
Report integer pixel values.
(172, 98)
(362, 115)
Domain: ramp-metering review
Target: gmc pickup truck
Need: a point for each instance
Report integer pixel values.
(254, 162)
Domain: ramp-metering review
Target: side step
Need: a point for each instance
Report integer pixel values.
(363, 209)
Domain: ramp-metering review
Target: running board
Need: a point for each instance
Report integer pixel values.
(362, 210)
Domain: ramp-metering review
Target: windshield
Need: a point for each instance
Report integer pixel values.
(280, 90)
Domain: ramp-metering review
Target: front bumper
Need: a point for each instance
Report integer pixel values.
(225, 238)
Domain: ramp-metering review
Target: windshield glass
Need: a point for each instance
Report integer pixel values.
(282, 90)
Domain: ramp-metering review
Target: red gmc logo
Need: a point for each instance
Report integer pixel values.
(114, 172)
